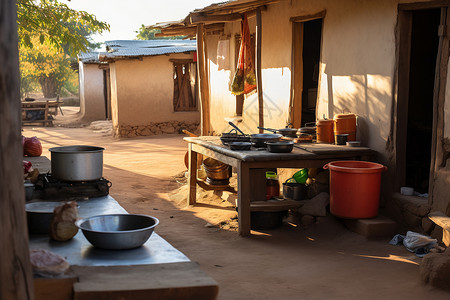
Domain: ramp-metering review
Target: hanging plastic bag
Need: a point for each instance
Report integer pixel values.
(244, 80)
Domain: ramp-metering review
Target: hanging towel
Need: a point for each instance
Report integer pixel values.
(244, 80)
(223, 57)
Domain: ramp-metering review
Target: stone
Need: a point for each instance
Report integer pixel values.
(316, 206)
(378, 227)
(146, 132)
(435, 269)
(167, 129)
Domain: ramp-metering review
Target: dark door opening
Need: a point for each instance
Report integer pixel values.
(424, 50)
(306, 44)
(312, 37)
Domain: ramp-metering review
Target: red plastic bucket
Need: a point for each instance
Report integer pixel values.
(354, 188)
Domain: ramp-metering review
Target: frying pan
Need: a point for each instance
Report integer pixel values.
(260, 139)
(235, 127)
(284, 131)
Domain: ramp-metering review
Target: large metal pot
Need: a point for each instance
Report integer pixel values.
(77, 163)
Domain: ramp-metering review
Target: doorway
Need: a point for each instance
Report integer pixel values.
(419, 45)
(306, 41)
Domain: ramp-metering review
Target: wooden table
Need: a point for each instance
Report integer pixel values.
(251, 166)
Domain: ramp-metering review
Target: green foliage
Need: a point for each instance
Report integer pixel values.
(50, 32)
(149, 34)
(44, 64)
(56, 23)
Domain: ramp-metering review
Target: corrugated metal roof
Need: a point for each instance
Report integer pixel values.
(147, 43)
(123, 49)
(135, 52)
(89, 57)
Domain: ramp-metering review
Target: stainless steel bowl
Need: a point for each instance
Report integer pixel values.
(119, 231)
(39, 216)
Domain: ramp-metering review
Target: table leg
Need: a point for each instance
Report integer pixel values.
(244, 199)
(192, 176)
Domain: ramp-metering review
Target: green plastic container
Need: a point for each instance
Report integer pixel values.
(301, 176)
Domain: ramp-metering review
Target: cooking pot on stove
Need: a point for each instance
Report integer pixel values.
(77, 163)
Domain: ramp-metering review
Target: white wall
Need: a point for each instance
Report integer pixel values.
(356, 71)
(92, 102)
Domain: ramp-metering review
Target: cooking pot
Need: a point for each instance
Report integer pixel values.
(293, 190)
(289, 132)
(77, 163)
(260, 139)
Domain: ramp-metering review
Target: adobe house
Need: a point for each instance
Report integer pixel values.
(95, 95)
(152, 86)
(386, 61)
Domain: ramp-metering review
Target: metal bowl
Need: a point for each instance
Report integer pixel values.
(260, 139)
(118, 231)
(239, 146)
(39, 216)
(280, 146)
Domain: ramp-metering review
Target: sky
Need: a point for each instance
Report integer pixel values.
(125, 17)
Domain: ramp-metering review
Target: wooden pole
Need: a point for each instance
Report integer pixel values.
(16, 281)
(258, 70)
(203, 80)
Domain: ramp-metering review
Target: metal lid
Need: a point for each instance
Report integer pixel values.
(345, 116)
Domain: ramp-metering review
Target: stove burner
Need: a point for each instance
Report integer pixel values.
(52, 188)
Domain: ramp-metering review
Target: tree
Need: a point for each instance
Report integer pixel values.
(45, 64)
(50, 31)
(149, 34)
(57, 23)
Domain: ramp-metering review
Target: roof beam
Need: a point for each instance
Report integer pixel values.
(189, 30)
(202, 18)
(231, 8)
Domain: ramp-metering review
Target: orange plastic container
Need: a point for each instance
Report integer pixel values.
(325, 131)
(345, 124)
(354, 188)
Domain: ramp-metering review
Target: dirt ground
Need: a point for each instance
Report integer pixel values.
(324, 261)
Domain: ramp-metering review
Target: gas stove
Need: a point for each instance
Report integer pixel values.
(49, 187)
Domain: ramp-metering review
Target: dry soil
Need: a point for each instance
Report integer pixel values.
(324, 261)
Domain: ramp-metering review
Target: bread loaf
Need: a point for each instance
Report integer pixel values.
(62, 226)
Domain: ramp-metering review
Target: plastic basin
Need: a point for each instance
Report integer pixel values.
(355, 188)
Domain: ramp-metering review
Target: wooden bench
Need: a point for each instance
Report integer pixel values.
(38, 106)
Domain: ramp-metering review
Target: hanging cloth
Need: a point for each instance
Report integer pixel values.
(244, 80)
